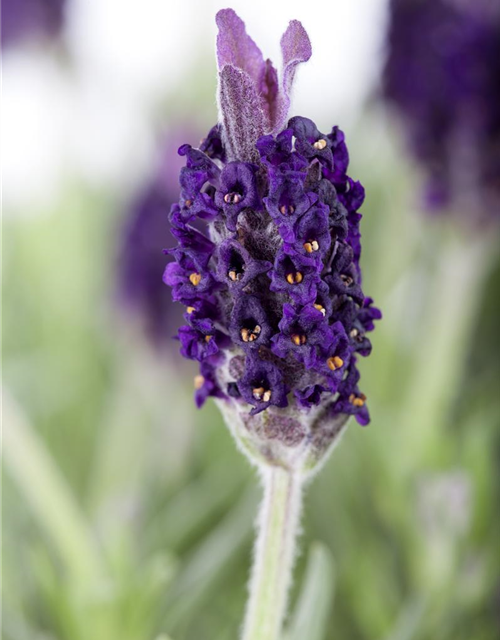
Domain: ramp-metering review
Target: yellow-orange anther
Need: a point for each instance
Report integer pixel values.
(294, 278)
(334, 363)
(320, 144)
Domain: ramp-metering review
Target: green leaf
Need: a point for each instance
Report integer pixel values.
(48, 494)
(409, 621)
(210, 560)
(310, 617)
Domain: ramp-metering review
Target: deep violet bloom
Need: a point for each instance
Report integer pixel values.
(30, 19)
(275, 310)
(442, 76)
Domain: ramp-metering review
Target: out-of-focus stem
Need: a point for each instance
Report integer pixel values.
(49, 496)
(274, 554)
(445, 333)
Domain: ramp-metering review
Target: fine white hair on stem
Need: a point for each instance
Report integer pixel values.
(274, 553)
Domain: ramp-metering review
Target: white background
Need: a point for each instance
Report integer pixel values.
(87, 107)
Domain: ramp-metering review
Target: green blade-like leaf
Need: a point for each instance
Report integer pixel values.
(409, 621)
(48, 495)
(310, 617)
(210, 560)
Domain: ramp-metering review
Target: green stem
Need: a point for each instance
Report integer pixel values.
(445, 334)
(274, 554)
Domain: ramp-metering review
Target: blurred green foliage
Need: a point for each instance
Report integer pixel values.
(129, 515)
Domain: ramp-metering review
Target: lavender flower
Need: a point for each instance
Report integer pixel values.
(28, 18)
(274, 306)
(442, 75)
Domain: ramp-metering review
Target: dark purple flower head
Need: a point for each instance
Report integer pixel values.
(442, 75)
(274, 306)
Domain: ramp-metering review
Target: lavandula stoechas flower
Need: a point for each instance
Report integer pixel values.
(442, 75)
(31, 18)
(275, 311)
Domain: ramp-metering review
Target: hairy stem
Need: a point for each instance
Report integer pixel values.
(274, 554)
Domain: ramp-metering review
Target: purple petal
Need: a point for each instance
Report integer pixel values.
(295, 48)
(242, 117)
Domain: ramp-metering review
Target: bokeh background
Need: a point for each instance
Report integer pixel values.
(127, 513)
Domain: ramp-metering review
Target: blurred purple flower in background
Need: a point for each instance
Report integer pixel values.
(443, 77)
(31, 19)
(141, 258)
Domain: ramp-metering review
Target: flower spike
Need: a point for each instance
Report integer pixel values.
(275, 309)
